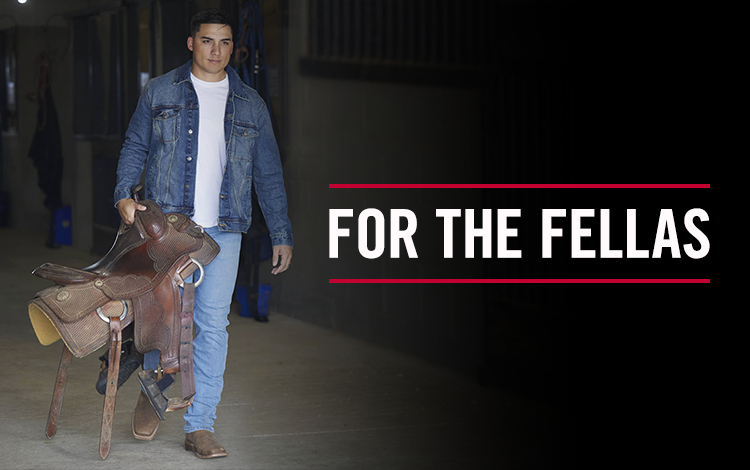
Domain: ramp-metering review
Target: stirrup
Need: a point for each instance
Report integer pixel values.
(154, 389)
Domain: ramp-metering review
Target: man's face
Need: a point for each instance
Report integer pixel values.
(212, 48)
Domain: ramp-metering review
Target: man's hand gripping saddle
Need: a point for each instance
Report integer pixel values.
(135, 285)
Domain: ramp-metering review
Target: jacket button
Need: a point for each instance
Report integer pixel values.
(187, 186)
(190, 159)
(190, 131)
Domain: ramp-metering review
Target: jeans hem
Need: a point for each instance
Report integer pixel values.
(189, 429)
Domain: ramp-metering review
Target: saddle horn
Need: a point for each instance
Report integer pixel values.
(152, 221)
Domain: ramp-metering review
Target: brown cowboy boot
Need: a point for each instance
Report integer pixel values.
(145, 421)
(204, 444)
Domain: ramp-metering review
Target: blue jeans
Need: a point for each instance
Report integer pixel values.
(211, 318)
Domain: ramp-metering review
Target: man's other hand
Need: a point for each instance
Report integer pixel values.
(127, 208)
(282, 258)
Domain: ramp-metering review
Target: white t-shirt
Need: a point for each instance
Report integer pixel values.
(212, 150)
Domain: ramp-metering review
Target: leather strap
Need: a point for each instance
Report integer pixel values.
(59, 392)
(109, 398)
(186, 342)
(187, 376)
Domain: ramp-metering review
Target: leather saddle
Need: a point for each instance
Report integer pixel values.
(135, 285)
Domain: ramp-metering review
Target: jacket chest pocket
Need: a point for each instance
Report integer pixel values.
(166, 124)
(243, 139)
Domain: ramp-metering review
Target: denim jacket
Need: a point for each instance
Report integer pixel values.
(163, 138)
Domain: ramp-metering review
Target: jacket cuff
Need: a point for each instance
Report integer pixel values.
(121, 194)
(282, 238)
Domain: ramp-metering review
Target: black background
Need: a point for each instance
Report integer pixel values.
(638, 110)
(642, 352)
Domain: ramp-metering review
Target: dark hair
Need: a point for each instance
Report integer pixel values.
(210, 16)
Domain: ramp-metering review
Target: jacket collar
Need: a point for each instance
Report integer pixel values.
(236, 86)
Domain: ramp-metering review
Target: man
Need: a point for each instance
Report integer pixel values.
(204, 138)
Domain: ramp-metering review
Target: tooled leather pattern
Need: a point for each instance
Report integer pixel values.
(150, 331)
(142, 257)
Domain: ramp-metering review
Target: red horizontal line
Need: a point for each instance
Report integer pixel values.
(519, 186)
(519, 281)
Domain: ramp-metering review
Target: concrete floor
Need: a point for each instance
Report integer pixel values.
(296, 397)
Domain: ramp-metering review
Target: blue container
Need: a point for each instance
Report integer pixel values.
(240, 295)
(63, 226)
(264, 299)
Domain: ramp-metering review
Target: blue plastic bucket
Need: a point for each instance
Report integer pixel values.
(63, 226)
(264, 299)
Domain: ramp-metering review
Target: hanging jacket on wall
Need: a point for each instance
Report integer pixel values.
(46, 152)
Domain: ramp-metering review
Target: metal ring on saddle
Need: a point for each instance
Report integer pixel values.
(106, 318)
(181, 281)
